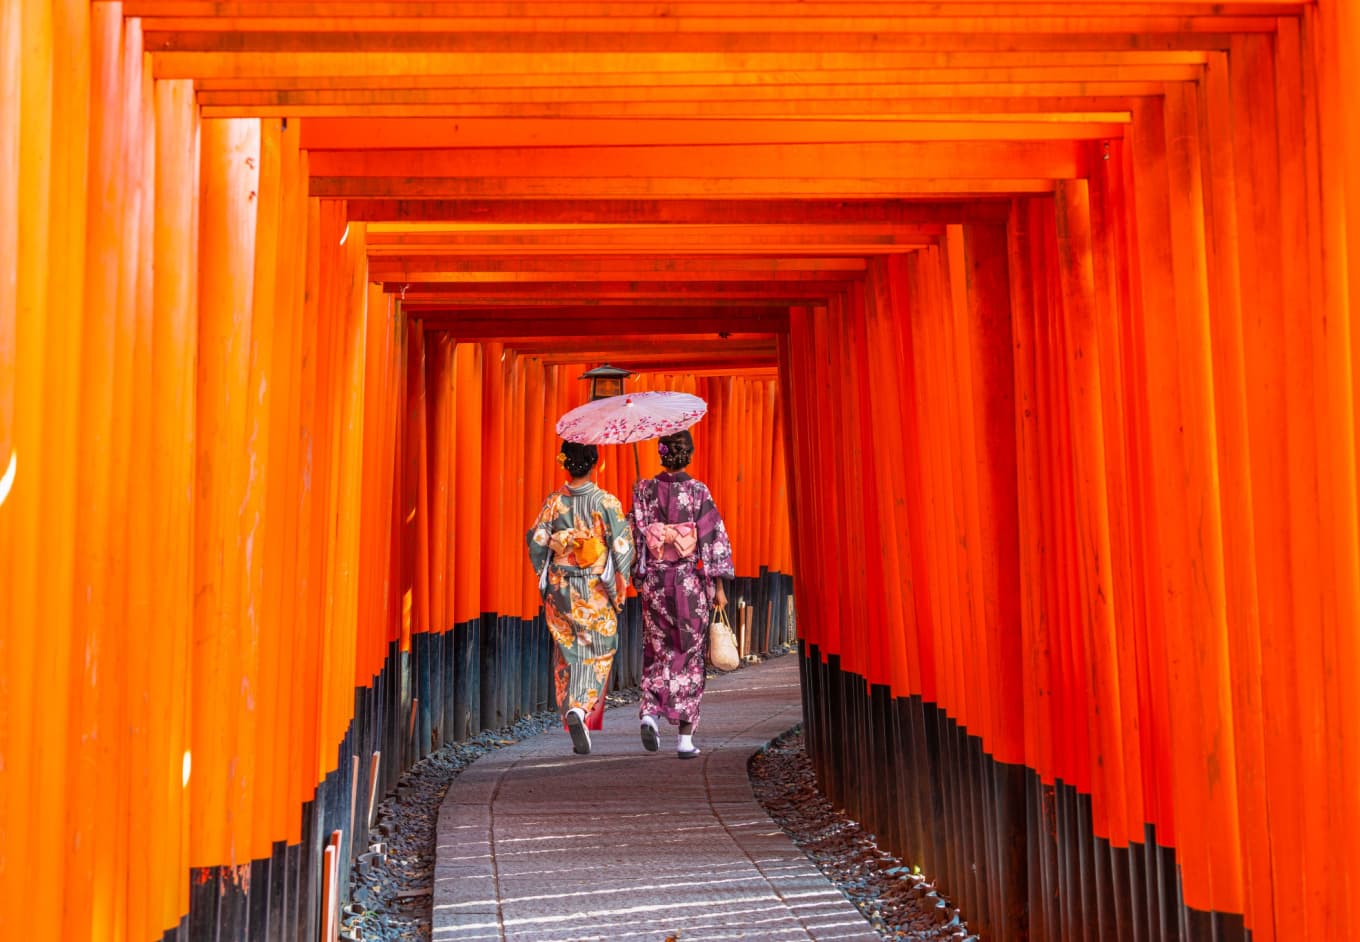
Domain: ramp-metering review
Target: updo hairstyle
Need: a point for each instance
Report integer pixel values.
(578, 459)
(676, 450)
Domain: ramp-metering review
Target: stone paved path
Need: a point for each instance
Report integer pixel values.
(537, 844)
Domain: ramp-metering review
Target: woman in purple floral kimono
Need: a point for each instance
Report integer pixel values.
(683, 557)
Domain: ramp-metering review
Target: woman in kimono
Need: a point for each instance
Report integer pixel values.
(581, 547)
(684, 557)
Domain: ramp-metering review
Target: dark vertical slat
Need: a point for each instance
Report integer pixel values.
(344, 774)
(432, 706)
(884, 822)
(497, 675)
(1105, 913)
(1138, 893)
(812, 688)
(203, 898)
(1036, 835)
(233, 907)
(919, 778)
(293, 901)
(933, 786)
(501, 674)
(328, 803)
(486, 674)
(420, 696)
(1169, 882)
(1069, 873)
(1089, 914)
(466, 667)
(976, 815)
(950, 867)
(515, 669)
(992, 836)
(1013, 849)
(403, 684)
(525, 703)
(257, 899)
(473, 665)
(309, 864)
(832, 751)
(533, 664)
(635, 628)
(546, 644)
(1121, 893)
(276, 888)
(449, 666)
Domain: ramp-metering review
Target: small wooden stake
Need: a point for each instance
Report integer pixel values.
(373, 786)
(353, 792)
(330, 889)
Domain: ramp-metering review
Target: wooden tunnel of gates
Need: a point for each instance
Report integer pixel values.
(1028, 334)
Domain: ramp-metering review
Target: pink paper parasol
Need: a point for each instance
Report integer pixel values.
(633, 417)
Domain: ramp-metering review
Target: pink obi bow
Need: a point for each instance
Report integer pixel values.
(671, 541)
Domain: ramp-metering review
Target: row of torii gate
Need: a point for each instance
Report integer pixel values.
(1027, 332)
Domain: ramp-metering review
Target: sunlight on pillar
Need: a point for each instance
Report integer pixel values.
(7, 482)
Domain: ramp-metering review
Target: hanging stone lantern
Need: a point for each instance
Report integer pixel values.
(606, 381)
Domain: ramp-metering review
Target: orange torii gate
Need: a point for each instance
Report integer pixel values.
(1035, 315)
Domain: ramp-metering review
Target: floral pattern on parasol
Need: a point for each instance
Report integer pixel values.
(633, 417)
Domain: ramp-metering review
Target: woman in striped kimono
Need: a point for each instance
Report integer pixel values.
(684, 557)
(581, 548)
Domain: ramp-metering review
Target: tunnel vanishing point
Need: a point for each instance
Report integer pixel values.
(1027, 330)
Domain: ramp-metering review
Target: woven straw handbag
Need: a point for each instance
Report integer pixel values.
(722, 643)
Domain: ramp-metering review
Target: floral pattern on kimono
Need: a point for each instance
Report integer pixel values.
(677, 594)
(583, 539)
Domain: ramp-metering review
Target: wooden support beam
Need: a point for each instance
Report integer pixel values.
(681, 240)
(982, 160)
(578, 321)
(430, 134)
(1019, 16)
(1019, 104)
(896, 88)
(566, 349)
(552, 293)
(804, 101)
(441, 281)
(768, 170)
(680, 314)
(659, 268)
(554, 36)
(644, 69)
(346, 187)
(680, 211)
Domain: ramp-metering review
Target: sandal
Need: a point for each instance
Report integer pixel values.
(580, 736)
(651, 739)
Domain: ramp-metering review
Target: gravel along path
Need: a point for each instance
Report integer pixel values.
(898, 902)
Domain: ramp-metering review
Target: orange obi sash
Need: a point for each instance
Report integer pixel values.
(671, 541)
(578, 547)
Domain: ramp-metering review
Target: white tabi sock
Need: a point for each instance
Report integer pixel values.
(686, 743)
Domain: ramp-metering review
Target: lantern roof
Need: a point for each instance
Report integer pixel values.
(604, 370)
